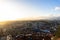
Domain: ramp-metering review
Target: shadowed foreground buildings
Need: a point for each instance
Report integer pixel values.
(32, 30)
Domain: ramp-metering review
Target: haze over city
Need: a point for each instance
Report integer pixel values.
(29, 19)
(19, 9)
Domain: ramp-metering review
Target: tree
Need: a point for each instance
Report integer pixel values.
(57, 33)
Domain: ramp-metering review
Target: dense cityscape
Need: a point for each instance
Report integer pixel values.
(32, 28)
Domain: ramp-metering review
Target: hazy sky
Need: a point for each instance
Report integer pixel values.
(14, 9)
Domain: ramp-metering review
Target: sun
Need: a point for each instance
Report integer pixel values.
(7, 17)
(10, 11)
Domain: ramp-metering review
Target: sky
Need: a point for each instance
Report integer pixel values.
(16, 9)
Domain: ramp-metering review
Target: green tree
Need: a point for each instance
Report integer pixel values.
(57, 33)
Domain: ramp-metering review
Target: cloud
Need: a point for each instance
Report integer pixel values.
(57, 8)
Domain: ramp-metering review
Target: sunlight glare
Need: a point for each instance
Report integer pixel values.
(10, 11)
